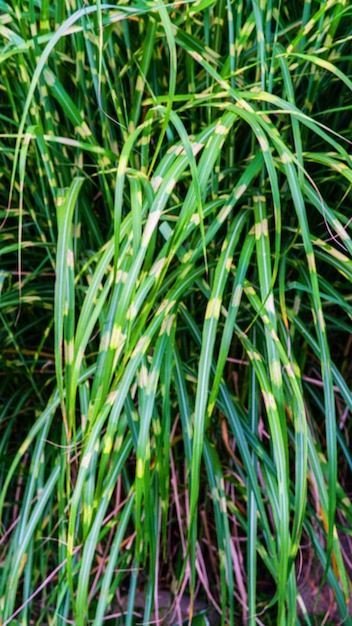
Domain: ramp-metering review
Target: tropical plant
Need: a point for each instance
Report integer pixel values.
(175, 304)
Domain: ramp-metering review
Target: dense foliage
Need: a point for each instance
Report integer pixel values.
(175, 311)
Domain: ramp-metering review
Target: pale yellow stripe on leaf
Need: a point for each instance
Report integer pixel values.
(196, 56)
(145, 141)
(340, 230)
(261, 229)
(289, 370)
(156, 428)
(88, 511)
(273, 335)
(121, 276)
(139, 83)
(165, 307)
(249, 289)
(309, 26)
(311, 262)
(296, 369)
(223, 506)
(237, 296)
(254, 356)
(276, 371)
(321, 320)
(143, 377)
(131, 312)
(119, 442)
(86, 460)
(215, 495)
(107, 444)
(186, 256)
(170, 186)
(70, 259)
(117, 337)
(167, 325)
(244, 105)
(196, 147)
(220, 129)
(69, 351)
(337, 254)
(150, 227)
(140, 469)
(263, 144)
(123, 162)
(84, 130)
(177, 150)
(270, 304)
(286, 157)
(105, 341)
(111, 397)
(240, 191)
(158, 267)
(213, 308)
(269, 400)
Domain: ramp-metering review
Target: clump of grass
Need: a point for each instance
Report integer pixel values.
(175, 308)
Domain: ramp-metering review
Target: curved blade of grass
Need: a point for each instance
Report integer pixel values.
(91, 543)
(63, 291)
(19, 556)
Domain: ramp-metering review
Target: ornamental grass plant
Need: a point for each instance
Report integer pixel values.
(175, 312)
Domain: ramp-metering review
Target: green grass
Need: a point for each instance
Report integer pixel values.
(175, 308)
